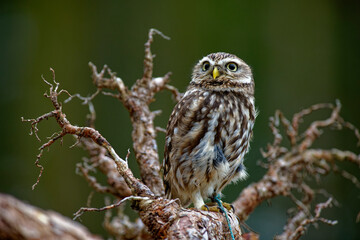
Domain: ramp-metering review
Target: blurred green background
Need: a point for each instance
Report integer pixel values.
(301, 52)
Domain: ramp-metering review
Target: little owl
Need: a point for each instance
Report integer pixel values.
(209, 130)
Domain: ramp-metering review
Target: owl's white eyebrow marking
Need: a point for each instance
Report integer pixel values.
(204, 59)
(230, 60)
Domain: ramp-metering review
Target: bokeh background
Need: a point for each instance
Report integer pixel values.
(301, 52)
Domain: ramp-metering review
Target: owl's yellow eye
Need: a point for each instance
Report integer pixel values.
(232, 66)
(205, 66)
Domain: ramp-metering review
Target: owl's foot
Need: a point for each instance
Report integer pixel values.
(213, 207)
(228, 206)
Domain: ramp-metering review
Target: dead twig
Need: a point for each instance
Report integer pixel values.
(297, 225)
(82, 210)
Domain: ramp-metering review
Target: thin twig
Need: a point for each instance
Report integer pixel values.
(82, 210)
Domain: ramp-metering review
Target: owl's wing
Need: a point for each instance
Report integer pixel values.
(179, 125)
(173, 121)
(179, 117)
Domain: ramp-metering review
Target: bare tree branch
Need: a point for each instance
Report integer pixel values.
(296, 226)
(87, 132)
(137, 102)
(287, 168)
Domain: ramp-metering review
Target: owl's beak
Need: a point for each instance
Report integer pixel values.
(215, 73)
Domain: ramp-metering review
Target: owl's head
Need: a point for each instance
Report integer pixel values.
(222, 72)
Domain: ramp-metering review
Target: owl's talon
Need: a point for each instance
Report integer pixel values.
(211, 207)
(205, 208)
(228, 206)
(220, 210)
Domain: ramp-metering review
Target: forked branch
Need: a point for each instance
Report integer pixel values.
(288, 169)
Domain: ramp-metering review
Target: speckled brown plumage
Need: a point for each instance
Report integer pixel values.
(209, 130)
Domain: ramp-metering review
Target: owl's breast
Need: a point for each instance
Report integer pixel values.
(207, 138)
